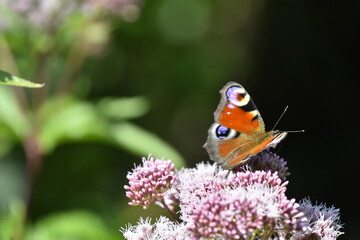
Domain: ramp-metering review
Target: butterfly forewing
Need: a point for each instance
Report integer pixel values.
(238, 111)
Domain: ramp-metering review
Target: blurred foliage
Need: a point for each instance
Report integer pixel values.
(12, 119)
(71, 225)
(125, 134)
(182, 22)
(50, 43)
(12, 222)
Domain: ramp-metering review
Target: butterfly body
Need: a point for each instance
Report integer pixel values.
(239, 130)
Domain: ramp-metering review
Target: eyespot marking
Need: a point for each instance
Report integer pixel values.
(237, 95)
(222, 132)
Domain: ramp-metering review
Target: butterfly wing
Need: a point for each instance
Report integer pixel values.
(225, 145)
(239, 130)
(238, 111)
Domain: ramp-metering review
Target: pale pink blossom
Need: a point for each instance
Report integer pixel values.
(218, 204)
(149, 182)
(162, 229)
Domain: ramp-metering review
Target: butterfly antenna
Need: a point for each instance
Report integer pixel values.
(296, 131)
(280, 118)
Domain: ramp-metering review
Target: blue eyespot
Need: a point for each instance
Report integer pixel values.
(222, 132)
(233, 92)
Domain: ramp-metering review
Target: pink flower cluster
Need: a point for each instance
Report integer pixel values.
(149, 182)
(222, 215)
(162, 229)
(247, 178)
(214, 203)
(193, 185)
(247, 201)
(128, 10)
(49, 15)
(324, 222)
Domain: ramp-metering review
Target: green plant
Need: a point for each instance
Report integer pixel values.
(50, 45)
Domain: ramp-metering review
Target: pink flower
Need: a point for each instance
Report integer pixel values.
(128, 10)
(193, 185)
(222, 215)
(217, 204)
(162, 229)
(262, 177)
(233, 208)
(289, 214)
(292, 217)
(149, 182)
(46, 15)
(324, 222)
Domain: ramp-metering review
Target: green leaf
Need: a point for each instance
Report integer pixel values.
(143, 143)
(68, 120)
(8, 79)
(11, 223)
(13, 123)
(65, 120)
(75, 225)
(124, 108)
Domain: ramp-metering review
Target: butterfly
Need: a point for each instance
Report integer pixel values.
(239, 130)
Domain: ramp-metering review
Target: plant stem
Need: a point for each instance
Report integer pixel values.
(41, 76)
(34, 161)
(74, 63)
(171, 213)
(268, 234)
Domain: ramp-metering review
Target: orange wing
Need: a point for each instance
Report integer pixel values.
(238, 111)
(236, 118)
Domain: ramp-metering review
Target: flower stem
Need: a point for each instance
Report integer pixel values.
(268, 234)
(171, 213)
(34, 159)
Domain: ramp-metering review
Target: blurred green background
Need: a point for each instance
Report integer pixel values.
(127, 78)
